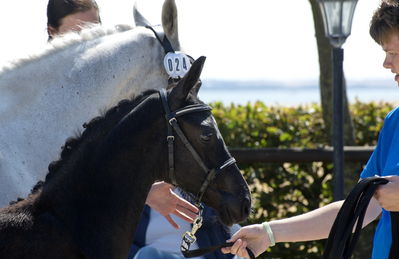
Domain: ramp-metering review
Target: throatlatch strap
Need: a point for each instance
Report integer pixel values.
(341, 242)
(210, 249)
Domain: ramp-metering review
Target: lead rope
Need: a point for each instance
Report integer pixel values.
(341, 242)
(189, 238)
(394, 253)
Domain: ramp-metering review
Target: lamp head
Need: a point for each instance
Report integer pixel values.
(337, 19)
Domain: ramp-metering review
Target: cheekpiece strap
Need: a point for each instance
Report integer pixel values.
(183, 138)
(170, 138)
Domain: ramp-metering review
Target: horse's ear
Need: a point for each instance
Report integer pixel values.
(189, 83)
(169, 23)
(139, 19)
(196, 88)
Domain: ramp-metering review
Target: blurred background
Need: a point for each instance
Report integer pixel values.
(256, 50)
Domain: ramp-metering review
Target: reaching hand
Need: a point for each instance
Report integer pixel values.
(253, 236)
(388, 194)
(162, 199)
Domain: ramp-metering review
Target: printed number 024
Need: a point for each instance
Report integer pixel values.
(176, 64)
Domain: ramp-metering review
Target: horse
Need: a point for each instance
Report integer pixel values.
(47, 96)
(92, 197)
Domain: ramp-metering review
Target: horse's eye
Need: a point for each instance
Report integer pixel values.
(206, 136)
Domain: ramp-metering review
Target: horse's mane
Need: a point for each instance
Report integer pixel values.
(90, 32)
(95, 128)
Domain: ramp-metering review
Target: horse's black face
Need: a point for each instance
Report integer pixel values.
(228, 192)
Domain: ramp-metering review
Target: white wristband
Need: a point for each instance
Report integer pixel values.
(269, 233)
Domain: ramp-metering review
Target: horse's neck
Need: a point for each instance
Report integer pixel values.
(44, 102)
(105, 206)
(102, 71)
(119, 208)
(107, 230)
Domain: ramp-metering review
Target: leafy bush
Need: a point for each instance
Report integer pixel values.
(282, 190)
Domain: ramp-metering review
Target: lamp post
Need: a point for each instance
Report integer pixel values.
(337, 17)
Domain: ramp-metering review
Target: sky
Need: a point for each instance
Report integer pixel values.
(270, 40)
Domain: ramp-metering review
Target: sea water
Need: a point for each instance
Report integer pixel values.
(275, 93)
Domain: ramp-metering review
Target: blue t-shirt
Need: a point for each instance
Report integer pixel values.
(384, 161)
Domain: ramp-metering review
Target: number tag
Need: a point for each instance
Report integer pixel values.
(176, 64)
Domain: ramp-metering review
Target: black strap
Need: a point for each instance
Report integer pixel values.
(191, 108)
(210, 249)
(173, 126)
(341, 241)
(170, 138)
(211, 175)
(183, 138)
(394, 253)
(167, 46)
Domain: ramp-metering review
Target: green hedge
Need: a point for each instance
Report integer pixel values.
(288, 189)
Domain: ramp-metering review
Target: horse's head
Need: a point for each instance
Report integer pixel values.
(202, 163)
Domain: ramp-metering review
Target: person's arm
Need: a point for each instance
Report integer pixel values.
(313, 225)
(162, 199)
(316, 224)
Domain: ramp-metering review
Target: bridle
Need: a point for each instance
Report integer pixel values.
(173, 126)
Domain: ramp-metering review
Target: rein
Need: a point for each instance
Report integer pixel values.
(173, 126)
(341, 242)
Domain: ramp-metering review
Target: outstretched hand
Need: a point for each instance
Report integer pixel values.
(162, 199)
(253, 236)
